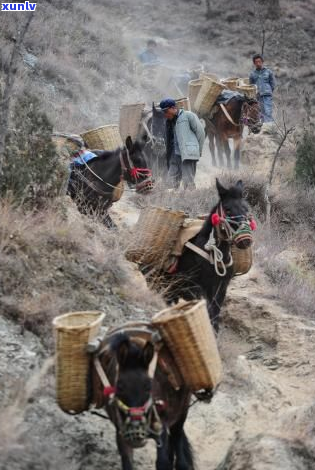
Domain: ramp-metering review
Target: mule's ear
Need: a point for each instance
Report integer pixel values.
(221, 189)
(147, 354)
(129, 143)
(122, 352)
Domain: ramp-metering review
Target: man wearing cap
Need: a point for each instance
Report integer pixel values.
(185, 137)
(264, 79)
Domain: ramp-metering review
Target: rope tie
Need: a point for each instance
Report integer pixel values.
(217, 256)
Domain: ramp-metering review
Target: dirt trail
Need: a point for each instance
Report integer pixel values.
(265, 398)
(269, 367)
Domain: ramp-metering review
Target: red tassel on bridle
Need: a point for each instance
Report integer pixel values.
(108, 391)
(136, 172)
(215, 219)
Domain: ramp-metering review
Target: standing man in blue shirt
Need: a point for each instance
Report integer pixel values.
(265, 81)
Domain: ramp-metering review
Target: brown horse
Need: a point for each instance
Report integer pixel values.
(228, 123)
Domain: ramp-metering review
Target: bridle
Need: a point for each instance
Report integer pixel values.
(225, 232)
(128, 171)
(246, 115)
(225, 227)
(140, 422)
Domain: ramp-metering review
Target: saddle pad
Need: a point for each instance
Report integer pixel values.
(83, 156)
(189, 230)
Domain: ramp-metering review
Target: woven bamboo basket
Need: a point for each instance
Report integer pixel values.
(242, 260)
(103, 138)
(209, 75)
(73, 331)
(129, 120)
(193, 90)
(208, 93)
(231, 83)
(243, 81)
(248, 90)
(188, 333)
(183, 103)
(156, 233)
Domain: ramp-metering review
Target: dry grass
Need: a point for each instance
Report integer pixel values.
(57, 261)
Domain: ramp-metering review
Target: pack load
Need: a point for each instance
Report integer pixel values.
(73, 331)
(188, 333)
(103, 138)
(129, 120)
(207, 96)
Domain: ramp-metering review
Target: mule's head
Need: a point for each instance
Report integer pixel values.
(158, 123)
(136, 417)
(231, 217)
(137, 171)
(251, 115)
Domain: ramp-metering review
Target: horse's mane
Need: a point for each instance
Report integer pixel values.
(134, 351)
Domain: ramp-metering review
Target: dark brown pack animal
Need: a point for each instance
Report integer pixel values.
(228, 123)
(141, 407)
(193, 276)
(92, 185)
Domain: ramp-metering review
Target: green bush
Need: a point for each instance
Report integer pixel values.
(32, 171)
(305, 158)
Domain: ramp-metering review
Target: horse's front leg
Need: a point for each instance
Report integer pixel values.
(227, 151)
(126, 453)
(212, 148)
(165, 453)
(237, 151)
(219, 143)
(215, 299)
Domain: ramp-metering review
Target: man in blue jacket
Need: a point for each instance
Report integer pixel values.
(265, 81)
(185, 137)
(149, 55)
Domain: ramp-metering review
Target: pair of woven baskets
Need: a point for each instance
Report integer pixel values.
(207, 96)
(193, 90)
(187, 331)
(130, 119)
(73, 331)
(231, 83)
(156, 233)
(248, 90)
(103, 138)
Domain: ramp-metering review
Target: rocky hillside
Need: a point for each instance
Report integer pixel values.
(261, 418)
(82, 58)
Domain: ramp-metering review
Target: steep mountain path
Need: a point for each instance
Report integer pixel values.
(265, 398)
(269, 368)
